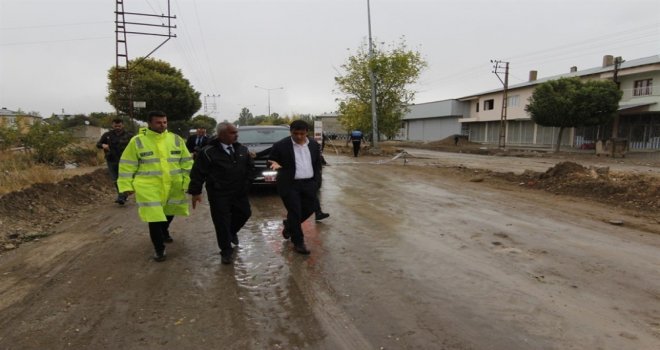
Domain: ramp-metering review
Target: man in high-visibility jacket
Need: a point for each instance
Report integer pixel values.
(156, 167)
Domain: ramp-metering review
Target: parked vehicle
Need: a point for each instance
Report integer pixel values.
(259, 139)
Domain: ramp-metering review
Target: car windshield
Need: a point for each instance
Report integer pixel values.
(262, 135)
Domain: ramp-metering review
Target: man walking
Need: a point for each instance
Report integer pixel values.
(156, 166)
(356, 138)
(113, 143)
(298, 161)
(196, 142)
(227, 168)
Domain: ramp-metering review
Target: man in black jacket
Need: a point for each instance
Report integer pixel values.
(227, 168)
(113, 143)
(196, 142)
(297, 160)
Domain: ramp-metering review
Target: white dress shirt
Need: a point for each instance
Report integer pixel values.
(304, 169)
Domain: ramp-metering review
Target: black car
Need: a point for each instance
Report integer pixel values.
(259, 139)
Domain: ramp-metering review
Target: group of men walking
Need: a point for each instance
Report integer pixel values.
(159, 167)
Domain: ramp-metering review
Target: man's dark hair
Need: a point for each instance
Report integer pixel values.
(299, 124)
(118, 121)
(155, 114)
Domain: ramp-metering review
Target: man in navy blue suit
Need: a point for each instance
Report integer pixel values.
(297, 160)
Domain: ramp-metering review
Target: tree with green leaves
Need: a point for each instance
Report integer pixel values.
(245, 118)
(394, 70)
(203, 121)
(570, 102)
(46, 142)
(160, 85)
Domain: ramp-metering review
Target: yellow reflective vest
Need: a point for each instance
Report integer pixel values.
(157, 168)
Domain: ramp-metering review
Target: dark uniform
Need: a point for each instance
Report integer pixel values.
(228, 179)
(117, 143)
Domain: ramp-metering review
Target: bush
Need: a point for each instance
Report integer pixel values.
(9, 137)
(46, 143)
(83, 154)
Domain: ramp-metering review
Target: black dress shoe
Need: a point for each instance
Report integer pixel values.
(225, 259)
(302, 249)
(234, 240)
(285, 231)
(321, 215)
(160, 256)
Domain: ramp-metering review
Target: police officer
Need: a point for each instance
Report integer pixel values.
(113, 144)
(156, 167)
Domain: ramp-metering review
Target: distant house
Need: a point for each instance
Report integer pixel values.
(88, 132)
(21, 121)
(638, 118)
(331, 125)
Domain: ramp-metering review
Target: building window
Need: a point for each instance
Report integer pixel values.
(643, 87)
(512, 101)
(489, 104)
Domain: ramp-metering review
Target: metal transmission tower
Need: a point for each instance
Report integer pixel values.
(210, 106)
(122, 70)
(497, 69)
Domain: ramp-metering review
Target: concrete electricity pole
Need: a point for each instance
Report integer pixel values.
(374, 115)
(498, 70)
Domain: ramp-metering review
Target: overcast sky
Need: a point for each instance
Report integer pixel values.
(54, 55)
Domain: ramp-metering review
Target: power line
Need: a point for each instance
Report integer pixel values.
(55, 41)
(55, 25)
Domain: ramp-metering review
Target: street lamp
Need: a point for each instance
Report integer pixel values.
(374, 116)
(269, 90)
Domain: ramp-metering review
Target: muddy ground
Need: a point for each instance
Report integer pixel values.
(421, 253)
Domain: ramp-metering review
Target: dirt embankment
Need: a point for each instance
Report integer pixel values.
(29, 214)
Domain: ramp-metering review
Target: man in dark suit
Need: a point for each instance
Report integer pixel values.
(194, 143)
(297, 160)
(227, 169)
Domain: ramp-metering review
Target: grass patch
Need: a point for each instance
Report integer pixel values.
(18, 170)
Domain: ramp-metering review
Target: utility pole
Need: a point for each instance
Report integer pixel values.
(269, 90)
(372, 76)
(122, 70)
(497, 69)
(615, 77)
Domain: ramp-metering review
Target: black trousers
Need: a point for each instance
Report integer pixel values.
(356, 147)
(229, 214)
(300, 202)
(158, 231)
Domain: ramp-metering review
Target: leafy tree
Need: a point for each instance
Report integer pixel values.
(203, 121)
(9, 136)
(245, 118)
(570, 102)
(46, 142)
(394, 69)
(78, 120)
(160, 85)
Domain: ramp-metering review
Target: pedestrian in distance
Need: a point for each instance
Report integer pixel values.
(227, 169)
(156, 167)
(196, 142)
(113, 143)
(356, 138)
(297, 160)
